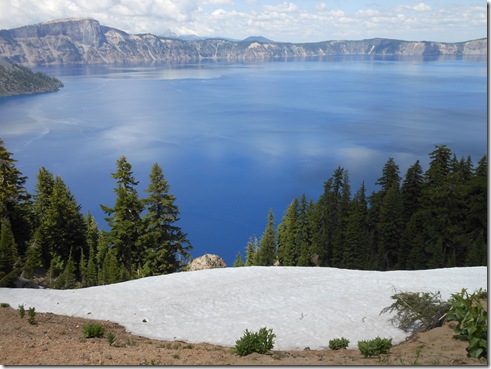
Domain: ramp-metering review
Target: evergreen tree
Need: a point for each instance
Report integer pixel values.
(92, 237)
(330, 219)
(238, 261)
(8, 254)
(390, 176)
(289, 235)
(251, 251)
(411, 190)
(306, 227)
(124, 219)
(33, 256)
(356, 253)
(267, 248)
(167, 247)
(67, 278)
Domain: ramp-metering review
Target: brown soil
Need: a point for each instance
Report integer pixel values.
(58, 340)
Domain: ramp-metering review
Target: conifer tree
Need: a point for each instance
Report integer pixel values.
(411, 190)
(33, 257)
(288, 236)
(306, 219)
(251, 251)
(124, 219)
(8, 254)
(356, 253)
(167, 247)
(267, 247)
(238, 261)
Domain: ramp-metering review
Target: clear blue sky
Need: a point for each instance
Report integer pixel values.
(295, 21)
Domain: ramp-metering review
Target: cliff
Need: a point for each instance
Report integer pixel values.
(86, 41)
(19, 80)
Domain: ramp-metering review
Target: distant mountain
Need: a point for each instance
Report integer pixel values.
(19, 80)
(257, 39)
(86, 41)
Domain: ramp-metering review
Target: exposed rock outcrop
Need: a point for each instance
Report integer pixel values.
(207, 261)
(86, 41)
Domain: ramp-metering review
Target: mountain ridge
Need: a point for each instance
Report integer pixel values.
(86, 41)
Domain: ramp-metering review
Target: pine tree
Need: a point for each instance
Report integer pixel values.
(288, 236)
(92, 237)
(167, 247)
(411, 189)
(330, 219)
(33, 256)
(124, 219)
(356, 253)
(267, 248)
(62, 226)
(67, 278)
(251, 251)
(306, 227)
(238, 261)
(8, 254)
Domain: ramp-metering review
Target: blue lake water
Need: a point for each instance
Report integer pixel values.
(237, 139)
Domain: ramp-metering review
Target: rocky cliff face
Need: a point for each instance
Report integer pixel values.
(85, 41)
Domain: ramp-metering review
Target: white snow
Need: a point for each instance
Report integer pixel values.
(303, 306)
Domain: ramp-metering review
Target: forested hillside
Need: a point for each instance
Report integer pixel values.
(427, 219)
(45, 236)
(18, 80)
(431, 219)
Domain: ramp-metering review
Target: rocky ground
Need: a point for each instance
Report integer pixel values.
(58, 340)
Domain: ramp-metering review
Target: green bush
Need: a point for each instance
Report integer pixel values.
(93, 330)
(22, 311)
(338, 343)
(260, 342)
(472, 321)
(111, 337)
(31, 315)
(375, 347)
(417, 311)
(4, 305)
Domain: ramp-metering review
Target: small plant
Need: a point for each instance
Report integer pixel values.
(93, 330)
(4, 305)
(417, 311)
(22, 311)
(375, 347)
(111, 337)
(472, 321)
(260, 342)
(31, 315)
(338, 343)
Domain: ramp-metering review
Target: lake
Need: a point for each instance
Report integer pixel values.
(237, 139)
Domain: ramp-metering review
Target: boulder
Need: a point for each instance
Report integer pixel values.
(207, 261)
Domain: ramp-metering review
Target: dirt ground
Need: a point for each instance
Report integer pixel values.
(58, 340)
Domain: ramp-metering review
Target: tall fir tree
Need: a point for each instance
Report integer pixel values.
(251, 251)
(306, 227)
(9, 262)
(288, 235)
(167, 247)
(267, 246)
(124, 219)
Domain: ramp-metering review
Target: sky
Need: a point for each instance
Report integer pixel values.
(284, 21)
(303, 306)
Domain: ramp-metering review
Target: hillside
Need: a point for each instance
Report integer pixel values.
(81, 41)
(19, 80)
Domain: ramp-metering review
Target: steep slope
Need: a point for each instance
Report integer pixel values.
(80, 41)
(18, 80)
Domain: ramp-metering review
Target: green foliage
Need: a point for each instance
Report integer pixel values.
(338, 343)
(93, 330)
(111, 337)
(267, 245)
(31, 315)
(472, 321)
(260, 342)
(22, 311)
(375, 347)
(238, 261)
(4, 305)
(417, 311)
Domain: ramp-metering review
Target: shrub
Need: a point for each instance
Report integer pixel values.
(472, 321)
(260, 342)
(417, 311)
(93, 330)
(338, 343)
(22, 311)
(111, 337)
(375, 347)
(31, 315)
(4, 305)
